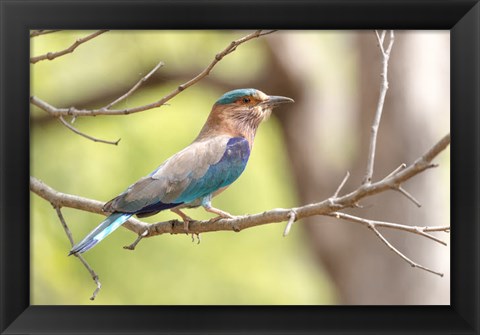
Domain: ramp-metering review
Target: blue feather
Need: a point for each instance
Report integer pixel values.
(232, 96)
(221, 174)
(103, 230)
(156, 207)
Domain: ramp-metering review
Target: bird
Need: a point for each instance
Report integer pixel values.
(193, 176)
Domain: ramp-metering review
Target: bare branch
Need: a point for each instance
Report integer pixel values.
(339, 188)
(415, 230)
(64, 224)
(381, 100)
(80, 257)
(372, 224)
(138, 239)
(59, 199)
(136, 86)
(292, 216)
(243, 222)
(408, 195)
(405, 258)
(56, 112)
(70, 49)
(39, 32)
(445, 229)
(401, 167)
(76, 131)
(380, 39)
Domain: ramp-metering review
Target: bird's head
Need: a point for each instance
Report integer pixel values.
(240, 112)
(248, 104)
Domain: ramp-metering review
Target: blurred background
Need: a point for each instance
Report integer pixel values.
(300, 156)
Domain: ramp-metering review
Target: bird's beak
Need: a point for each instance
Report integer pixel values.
(274, 101)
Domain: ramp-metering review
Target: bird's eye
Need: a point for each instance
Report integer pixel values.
(246, 100)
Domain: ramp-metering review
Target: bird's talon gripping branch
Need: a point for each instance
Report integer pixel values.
(185, 218)
(221, 214)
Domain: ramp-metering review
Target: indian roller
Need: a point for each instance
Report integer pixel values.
(193, 176)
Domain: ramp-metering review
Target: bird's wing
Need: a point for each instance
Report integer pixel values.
(232, 162)
(193, 172)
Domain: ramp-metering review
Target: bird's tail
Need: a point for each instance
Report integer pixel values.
(103, 230)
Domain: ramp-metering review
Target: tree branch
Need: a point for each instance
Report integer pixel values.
(248, 221)
(70, 49)
(415, 230)
(135, 87)
(58, 199)
(381, 100)
(78, 132)
(39, 32)
(372, 224)
(395, 250)
(56, 112)
(80, 257)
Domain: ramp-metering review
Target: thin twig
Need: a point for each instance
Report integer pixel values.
(405, 258)
(408, 195)
(84, 262)
(381, 100)
(380, 40)
(339, 188)
(415, 230)
(292, 216)
(401, 167)
(390, 44)
(136, 86)
(445, 229)
(64, 224)
(70, 49)
(39, 32)
(137, 240)
(76, 131)
(54, 111)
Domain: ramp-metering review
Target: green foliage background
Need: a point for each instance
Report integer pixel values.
(256, 266)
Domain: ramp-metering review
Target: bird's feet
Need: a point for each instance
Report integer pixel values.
(221, 214)
(185, 218)
(198, 237)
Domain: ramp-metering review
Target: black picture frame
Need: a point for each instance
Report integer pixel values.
(17, 17)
